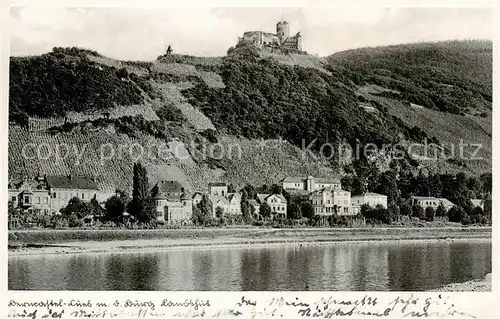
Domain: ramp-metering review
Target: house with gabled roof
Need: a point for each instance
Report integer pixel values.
(277, 202)
(30, 195)
(219, 201)
(172, 202)
(430, 201)
(63, 188)
(234, 203)
(217, 188)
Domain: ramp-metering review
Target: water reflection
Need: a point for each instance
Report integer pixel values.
(345, 266)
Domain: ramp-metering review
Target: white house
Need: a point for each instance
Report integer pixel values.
(219, 201)
(329, 201)
(429, 201)
(372, 199)
(234, 203)
(310, 183)
(217, 189)
(277, 202)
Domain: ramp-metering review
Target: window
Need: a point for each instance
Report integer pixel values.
(37, 200)
(83, 196)
(26, 199)
(13, 199)
(45, 200)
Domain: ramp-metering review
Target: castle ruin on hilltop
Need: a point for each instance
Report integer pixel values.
(281, 40)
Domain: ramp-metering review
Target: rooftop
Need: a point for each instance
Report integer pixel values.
(71, 182)
(297, 179)
(369, 194)
(219, 184)
(169, 187)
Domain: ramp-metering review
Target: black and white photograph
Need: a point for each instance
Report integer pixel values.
(232, 149)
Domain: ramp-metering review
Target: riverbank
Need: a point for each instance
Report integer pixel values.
(481, 285)
(35, 242)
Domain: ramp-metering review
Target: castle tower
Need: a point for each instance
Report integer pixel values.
(298, 38)
(282, 30)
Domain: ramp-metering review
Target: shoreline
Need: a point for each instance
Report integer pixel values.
(477, 285)
(136, 241)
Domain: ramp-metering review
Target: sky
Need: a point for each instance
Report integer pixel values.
(141, 33)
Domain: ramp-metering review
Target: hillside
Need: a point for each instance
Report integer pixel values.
(265, 108)
(453, 76)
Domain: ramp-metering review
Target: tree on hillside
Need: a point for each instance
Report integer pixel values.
(96, 208)
(276, 189)
(245, 208)
(393, 211)
(359, 185)
(487, 182)
(478, 211)
(140, 183)
(114, 207)
(219, 212)
(77, 208)
(347, 182)
(307, 209)
(203, 211)
(441, 210)
(231, 188)
(405, 209)
(141, 205)
(456, 214)
(365, 210)
(293, 211)
(435, 186)
(387, 185)
(250, 190)
(13, 215)
(265, 210)
(430, 213)
(418, 211)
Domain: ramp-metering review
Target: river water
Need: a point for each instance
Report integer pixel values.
(381, 266)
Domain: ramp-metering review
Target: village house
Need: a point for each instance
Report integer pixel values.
(30, 195)
(429, 201)
(309, 183)
(63, 188)
(277, 202)
(219, 201)
(49, 194)
(219, 196)
(234, 203)
(218, 189)
(327, 201)
(172, 203)
(372, 199)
